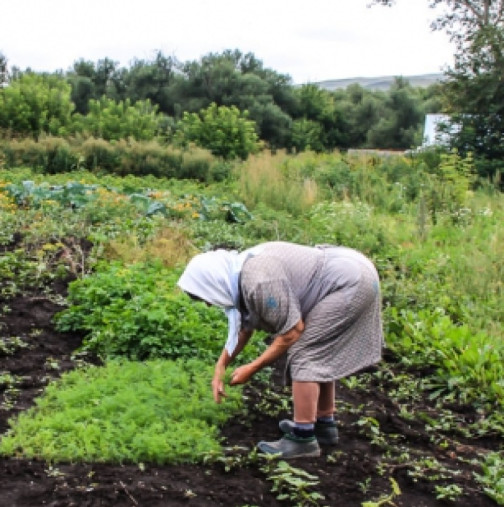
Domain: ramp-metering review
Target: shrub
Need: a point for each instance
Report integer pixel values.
(134, 311)
(196, 164)
(225, 131)
(25, 152)
(99, 154)
(469, 366)
(52, 155)
(59, 155)
(111, 120)
(350, 223)
(35, 104)
(143, 158)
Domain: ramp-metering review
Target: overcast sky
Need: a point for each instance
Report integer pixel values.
(310, 40)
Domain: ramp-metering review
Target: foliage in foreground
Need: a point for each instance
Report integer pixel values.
(157, 411)
(492, 478)
(133, 311)
(469, 366)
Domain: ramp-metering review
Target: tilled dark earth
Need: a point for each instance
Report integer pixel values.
(349, 474)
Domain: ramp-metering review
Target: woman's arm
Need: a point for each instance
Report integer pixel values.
(279, 346)
(224, 360)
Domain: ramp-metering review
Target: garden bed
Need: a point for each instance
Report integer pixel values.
(359, 469)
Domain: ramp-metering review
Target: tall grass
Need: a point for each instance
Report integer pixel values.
(264, 178)
(169, 244)
(54, 155)
(457, 266)
(294, 183)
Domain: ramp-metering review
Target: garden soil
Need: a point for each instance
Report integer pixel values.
(348, 474)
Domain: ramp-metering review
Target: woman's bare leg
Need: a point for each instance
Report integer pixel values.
(325, 406)
(305, 396)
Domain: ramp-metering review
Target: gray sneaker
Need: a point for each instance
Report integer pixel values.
(325, 433)
(290, 446)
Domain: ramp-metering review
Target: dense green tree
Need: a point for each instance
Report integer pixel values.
(152, 80)
(307, 135)
(399, 127)
(361, 110)
(212, 79)
(93, 81)
(474, 91)
(107, 78)
(225, 131)
(33, 104)
(313, 102)
(319, 107)
(284, 116)
(313, 105)
(232, 78)
(474, 96)
(111, 120)
(431, 98)
(274, 124)
(83, 91)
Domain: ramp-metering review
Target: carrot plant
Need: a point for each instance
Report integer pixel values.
(157, 411)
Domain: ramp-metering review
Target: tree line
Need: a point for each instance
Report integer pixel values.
(231, 104)
(164, 97)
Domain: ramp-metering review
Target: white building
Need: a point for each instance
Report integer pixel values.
(432, 135)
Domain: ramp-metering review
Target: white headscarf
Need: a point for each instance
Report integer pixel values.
(213, 277)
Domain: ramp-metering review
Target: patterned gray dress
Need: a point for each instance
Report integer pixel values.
(334, 290)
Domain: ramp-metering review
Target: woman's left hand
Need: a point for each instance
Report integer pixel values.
(242, 374)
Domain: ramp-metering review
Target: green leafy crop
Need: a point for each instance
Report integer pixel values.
(157, 411)
(136, 312)
(492, 478)
(468, 365)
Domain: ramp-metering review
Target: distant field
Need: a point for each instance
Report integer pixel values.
(380, 82)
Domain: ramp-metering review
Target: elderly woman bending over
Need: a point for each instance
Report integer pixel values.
(322, 305)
